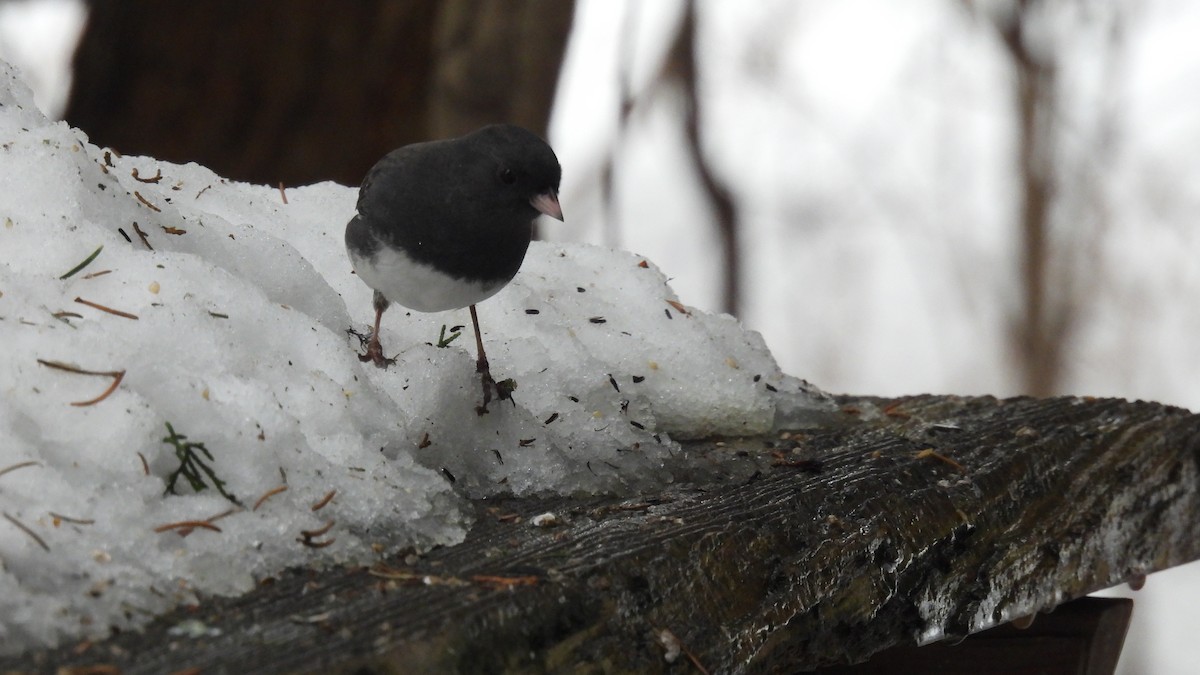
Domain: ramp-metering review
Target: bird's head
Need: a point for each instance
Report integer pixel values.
(522, 166)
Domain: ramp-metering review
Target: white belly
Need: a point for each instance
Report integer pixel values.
(418, 286)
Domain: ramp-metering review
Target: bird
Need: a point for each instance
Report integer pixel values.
(445, 224)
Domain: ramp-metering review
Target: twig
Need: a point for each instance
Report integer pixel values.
(117, 376)
(142, 235)
(268, 494)
(19, 465)
(86, 261)
(154, 179)
(282, 193)
(102, 308)
(21, 526)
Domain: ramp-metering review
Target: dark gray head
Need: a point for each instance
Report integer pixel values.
(521, 166)
(465, 205)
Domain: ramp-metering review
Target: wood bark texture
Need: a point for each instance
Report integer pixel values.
(306, 90)
(905, 521)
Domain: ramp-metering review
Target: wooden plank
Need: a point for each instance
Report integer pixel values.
(1081, 637)
(904, 522)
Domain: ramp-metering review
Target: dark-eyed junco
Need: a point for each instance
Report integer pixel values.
(445, 224)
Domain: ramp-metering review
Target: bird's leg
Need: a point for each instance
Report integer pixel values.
(374, 348)
(502, 390)
(481, 366)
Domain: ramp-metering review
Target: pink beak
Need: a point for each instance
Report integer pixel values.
(547, 203)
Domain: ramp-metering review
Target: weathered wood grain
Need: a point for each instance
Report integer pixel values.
(911, 520)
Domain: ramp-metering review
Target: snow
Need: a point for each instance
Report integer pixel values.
(234, 330)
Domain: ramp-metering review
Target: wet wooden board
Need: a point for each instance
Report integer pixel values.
(901, 522)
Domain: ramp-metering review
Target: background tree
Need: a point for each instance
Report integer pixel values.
(1064, 206)
(304, 90)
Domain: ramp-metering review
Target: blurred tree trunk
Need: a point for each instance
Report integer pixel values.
(1064, 206)
(305, 90)
(681, 66)
(496, 56)
(1042, 329)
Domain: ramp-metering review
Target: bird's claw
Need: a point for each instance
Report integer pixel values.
(501, 391)
(375, 355)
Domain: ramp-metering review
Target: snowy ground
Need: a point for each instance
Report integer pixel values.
(223, 310)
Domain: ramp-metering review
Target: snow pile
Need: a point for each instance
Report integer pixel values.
(221, 310)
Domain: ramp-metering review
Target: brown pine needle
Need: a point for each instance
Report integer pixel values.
(19, 465)
(117, 376)
(104, 394)
(324, 500)
(21, 526)
(309, 534)
(93, 275)
(59, 365)
(74, 521)
(145, 464)
(410, 577)
(142, 199)
(282, 193)
(268, 494)
(316, 544)
(187, 525)
(930, 452)
(223, 514)
(102, 308)
(306, 536)
(680, 307)
(504, 582)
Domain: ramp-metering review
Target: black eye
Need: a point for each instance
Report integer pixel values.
(508, 176)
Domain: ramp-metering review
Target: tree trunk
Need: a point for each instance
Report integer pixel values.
(304, 90)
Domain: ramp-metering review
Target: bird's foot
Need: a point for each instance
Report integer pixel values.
(501, 391)
(375, 355)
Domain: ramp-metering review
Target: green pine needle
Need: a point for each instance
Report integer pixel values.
(86, 261)
(191, 466)
(444, 341)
